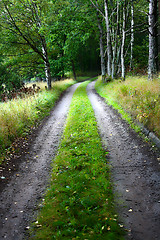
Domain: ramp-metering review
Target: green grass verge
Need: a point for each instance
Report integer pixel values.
(137, 99)
(79, 201)
(19, 115)
(108, 92)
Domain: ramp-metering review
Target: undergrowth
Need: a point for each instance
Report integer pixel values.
(79, 201)
(136, 98)
(19, 115)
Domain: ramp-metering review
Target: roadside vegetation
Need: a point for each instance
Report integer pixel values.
(79, 202)
(136, 99)
(18, 116)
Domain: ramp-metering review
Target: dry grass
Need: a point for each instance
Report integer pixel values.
(43, 85)
(19, 115)
(138, 96)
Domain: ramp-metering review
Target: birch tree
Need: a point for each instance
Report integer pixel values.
(132, 35)
(115, 13)
(159, 27)
(103, 68)
(109, 47)
(123, 41)
(153, 54)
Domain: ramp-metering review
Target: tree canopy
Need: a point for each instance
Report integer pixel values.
(46, 39)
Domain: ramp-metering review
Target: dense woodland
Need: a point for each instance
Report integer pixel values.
(46, 40)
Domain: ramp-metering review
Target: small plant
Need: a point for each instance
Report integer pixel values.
(124, 90)
(108, 78)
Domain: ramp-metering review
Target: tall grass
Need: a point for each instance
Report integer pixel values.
(137, 96)
(19, 115)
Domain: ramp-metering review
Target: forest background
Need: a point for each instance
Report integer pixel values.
(49, 40)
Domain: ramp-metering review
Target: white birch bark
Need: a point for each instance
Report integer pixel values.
(152, 41)
(114, 48)
(123, 44)
(132, 35)
(115, 34)
(44, 49)
(109, 48)
(159, 26)
(103, 69)
(46, 65)
(118, 62)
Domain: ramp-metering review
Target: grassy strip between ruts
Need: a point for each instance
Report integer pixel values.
(79, 202)
(19, 115)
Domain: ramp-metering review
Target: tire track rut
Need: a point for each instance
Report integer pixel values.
(19, 198)
(135, 172)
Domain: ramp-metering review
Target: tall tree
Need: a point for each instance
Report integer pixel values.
(25, 19)
(103, 68)
(109, 46)
(123, 40)
(132, 34)
(159, 31)
(153, 53)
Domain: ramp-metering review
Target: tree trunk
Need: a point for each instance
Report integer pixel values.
(159, 26)
(132, 35)
(44, 48)
(118, 61)
(123, 44)
(153, 58)
(114, 58)
(115, 34)
(103, 69)
(109, 48)
(46, 64)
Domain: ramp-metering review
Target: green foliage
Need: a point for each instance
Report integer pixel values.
(137, 96)
(79, 201)
(66, 26)
(8, 76)
(21, 39)
(124, 90)
(141, 54)
(71, 34)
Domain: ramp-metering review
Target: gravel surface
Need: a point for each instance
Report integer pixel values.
(134, 165)
(135, 172)
(20, 196)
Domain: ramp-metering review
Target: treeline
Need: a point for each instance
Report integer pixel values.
(46, 39)
(131, 36)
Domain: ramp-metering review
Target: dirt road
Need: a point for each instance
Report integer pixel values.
(19, 198)
(135, 172)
